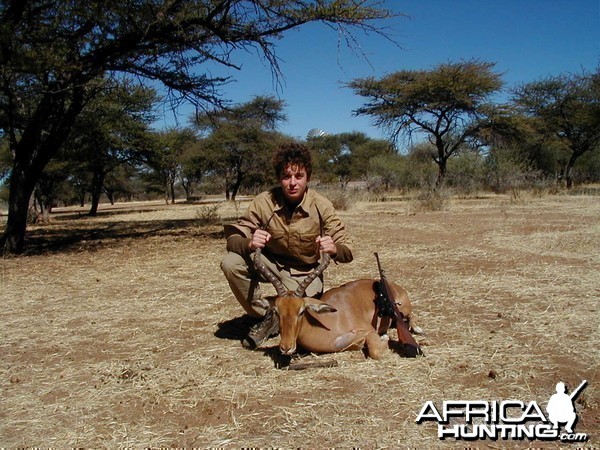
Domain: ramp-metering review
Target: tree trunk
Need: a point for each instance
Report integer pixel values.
(234, 191)
(21, 189)
(48, 128)
(97, 183)
(568, 173)
(187, 187)
(236, 185)
(442, 167)
(167, 187)
(440, 160)
(110, 194)
(172, 190)
(45, 205)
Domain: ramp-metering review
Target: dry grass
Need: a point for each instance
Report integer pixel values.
(120, 331)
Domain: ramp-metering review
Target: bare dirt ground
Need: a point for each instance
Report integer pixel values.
(120, 331)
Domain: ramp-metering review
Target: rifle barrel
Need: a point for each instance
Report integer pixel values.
(379, 265)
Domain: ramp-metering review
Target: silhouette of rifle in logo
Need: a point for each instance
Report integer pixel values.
(576, 392)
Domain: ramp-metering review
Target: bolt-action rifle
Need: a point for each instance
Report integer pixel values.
(390, 307)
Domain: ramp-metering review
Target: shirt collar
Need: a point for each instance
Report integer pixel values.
(306, 201)
(280, 202)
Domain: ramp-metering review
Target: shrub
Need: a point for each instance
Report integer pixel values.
(208, 215)
(430, 200)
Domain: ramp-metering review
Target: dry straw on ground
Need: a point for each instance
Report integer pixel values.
(121, 331)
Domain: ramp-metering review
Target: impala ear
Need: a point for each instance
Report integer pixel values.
(320, 308)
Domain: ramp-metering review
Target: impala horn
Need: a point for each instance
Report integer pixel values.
(265, 271)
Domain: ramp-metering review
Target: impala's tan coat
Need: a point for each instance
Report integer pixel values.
(344, 319)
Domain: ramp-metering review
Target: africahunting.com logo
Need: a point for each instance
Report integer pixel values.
(508, 419)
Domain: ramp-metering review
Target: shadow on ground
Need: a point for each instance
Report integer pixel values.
(86, 235)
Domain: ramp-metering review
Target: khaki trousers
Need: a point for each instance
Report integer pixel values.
(244, 280)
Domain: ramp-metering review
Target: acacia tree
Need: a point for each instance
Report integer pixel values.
(240, 140)
(450, 104)
(54, 52)
(325, 149)
(166, 157)
(49, 189)
(566, 109)
(110, 132)
(194, 166)
(121, 182)
(346, 155)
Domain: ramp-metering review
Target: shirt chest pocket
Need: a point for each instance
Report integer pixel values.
(305, 245)
(278, 241)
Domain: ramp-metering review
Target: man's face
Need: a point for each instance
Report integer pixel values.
(294, 181)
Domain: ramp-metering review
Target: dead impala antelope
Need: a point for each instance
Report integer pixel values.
(347, 317)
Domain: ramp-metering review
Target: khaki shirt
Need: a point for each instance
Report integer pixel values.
(293, 233)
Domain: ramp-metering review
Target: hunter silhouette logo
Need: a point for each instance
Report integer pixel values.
(507, 419)
(560, 406)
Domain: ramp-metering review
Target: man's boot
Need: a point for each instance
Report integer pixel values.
(262, 331)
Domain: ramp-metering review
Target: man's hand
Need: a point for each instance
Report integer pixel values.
(326, 245)
(259, 239)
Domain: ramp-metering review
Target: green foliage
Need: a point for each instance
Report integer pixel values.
(449, 104)
(588, 169)
(165, 156)
(193, 167)
(239, 143)
(324, 149)
(386, 172)
(345, 156)
(466, 172)
(74, 110)
(55, 55)
(364, 151)
(110, 132)
(420, 168)
(566, 113)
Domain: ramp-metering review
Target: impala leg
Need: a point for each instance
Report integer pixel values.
(376, 345)
(351, 340)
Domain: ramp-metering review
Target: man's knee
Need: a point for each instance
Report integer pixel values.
(233, 264)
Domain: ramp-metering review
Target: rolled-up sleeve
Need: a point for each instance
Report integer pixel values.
(335, 228)
(239, 235)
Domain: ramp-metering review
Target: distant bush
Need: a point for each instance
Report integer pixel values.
(208, 215)
(342, 199)
(430, 200)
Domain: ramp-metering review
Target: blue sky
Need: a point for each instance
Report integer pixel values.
(527, 39)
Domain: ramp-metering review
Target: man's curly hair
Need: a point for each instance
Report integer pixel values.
(292, 153)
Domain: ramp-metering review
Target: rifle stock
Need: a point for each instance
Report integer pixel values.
(411, 348)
